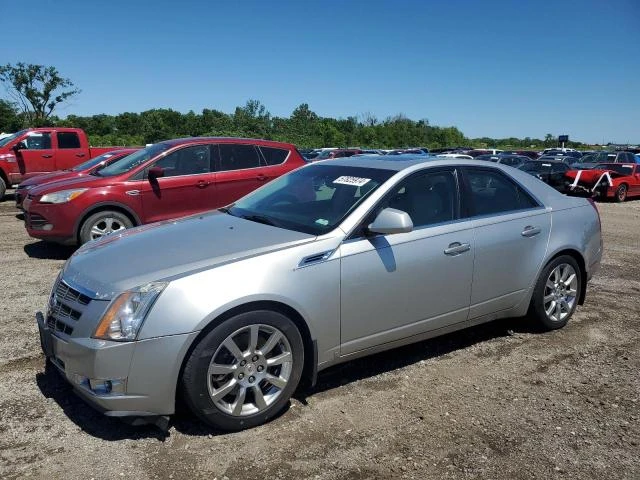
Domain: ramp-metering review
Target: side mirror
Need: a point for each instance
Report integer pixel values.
(155, 172)
(19, 146)
(390, 221)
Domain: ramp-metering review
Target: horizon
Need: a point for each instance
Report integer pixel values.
(493, 69)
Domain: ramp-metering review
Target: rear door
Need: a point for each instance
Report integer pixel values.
(511, 232)
(187, 186)
(39, 156)
(240, 170)
(70, 152)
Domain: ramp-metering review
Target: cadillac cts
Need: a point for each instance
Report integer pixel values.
(231, 309)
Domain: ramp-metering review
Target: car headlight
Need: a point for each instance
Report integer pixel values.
(63, 196)
(126, 312)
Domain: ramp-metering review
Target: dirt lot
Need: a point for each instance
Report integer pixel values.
(499, 401)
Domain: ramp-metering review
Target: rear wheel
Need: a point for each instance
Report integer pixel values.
(621, 193)
(243, 372)
(556, 293)
(103, 223)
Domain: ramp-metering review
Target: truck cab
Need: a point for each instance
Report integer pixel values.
(34, 151)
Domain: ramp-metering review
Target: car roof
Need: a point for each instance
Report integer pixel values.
(181, 141)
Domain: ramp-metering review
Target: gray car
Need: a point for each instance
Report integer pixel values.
(232, 309)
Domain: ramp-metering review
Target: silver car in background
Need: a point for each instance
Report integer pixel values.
(233, 308)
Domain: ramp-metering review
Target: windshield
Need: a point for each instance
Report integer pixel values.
(130, 162)
(623, 168)
(597, 157)
(313, 200)
(10, 138)
(92, 162)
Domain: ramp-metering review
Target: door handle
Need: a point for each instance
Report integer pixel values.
(261, 177)
(530, 231)
(456, 248)
(47, 156)
(80, 155)
(202, 184)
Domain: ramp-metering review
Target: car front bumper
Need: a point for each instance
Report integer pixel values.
(120, 379)
(55, 223)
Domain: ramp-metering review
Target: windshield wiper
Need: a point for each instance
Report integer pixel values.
(259, 219)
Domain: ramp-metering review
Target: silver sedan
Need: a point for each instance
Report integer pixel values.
(232, 309)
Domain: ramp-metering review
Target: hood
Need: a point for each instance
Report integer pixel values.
(48, 178)
(66, 183)
(170, 249)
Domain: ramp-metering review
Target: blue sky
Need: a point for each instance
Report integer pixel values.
(491, 68)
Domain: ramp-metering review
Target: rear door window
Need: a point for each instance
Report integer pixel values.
(68, 140)
(489, 192)
(274, 156)
(238, 157)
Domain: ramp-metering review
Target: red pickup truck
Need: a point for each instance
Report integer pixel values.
(35, 151)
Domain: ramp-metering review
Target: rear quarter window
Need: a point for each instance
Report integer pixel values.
(274, 156)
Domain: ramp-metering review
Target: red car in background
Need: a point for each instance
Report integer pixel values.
(91, 165)
(607, 180)
(166, 180)
(34, 151)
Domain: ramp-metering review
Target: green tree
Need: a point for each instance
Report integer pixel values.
(36, 89)
(10, 121)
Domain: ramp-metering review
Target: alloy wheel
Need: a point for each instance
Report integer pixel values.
(249, 370)
(106, 226)
(560, 292)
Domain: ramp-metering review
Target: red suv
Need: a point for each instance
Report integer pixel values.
(166, 180)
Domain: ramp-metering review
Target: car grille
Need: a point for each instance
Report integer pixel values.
(35, 220)
(65, 307)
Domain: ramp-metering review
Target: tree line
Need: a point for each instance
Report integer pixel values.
(36, 90)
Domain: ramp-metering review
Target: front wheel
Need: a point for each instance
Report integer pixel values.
(103, 223)
(555, 296)
(243, 372)
(621, 193)
(3, 188)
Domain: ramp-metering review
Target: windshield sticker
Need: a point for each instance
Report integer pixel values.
(627, 166)
(355, 181)
(322, 221)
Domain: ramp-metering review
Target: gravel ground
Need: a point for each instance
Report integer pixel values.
(498, 401)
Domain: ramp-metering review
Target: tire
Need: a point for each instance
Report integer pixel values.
(218, 398)
(555, 296)
(621, 193)
(3, 188)
(106, 221)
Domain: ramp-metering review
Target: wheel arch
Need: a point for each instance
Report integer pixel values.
(101, 207)
(309, 371)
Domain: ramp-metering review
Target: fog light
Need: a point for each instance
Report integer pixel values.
(47, 227)
(100, 386)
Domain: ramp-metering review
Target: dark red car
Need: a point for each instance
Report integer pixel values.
(163, 181)
(91, 165)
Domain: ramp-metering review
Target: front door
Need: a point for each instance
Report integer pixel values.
(38, 157)
(397, 286)
(187, 186)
